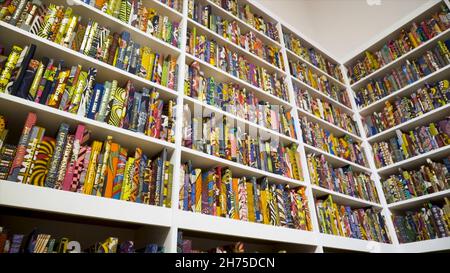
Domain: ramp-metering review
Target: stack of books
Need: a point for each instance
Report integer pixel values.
(312, 56)
(216, 192)
(219, 136)
(245, 13)
(421, 140)
(134, 13)
(343, 180)
(404, 74)
(430, 178)
(304, 73)
(68, 162)
(72, 89)
(238, 102)
(364, 224)
(61, 26)
(408, 39)
(343, 147)
(231, 31)
(422, 101)
(428, 222)
(234, 64)
(37, 242)
(325, 110)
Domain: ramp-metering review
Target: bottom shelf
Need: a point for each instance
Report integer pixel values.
(343, 243)
(434, 245)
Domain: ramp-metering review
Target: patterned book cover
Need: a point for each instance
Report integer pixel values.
(92, 167)
(36, 135)
(64, 162)
(127, 179)
(134, 190)
(22, 146)
(80, 139)
(118, 179)
(42, 163)
(111, 170)
(61, 139)
(99, 183)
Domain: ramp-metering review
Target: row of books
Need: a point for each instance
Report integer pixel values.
(244, 12)
(230, 30)
(233, 63)
(425, 99)
(421, 140)
(174, 4)
(312, 56)
(52, 83)
(61, 26)
(325, 110)
(216, 192)
(305, 74)
(221, 137)
(343, 147)
(38, 242)
(431, 221)
(237, 101)
(364, 224)
(68, 162)
(134, 13)
(343, 180)
(430, 178)
(405, 74)
(408, 39)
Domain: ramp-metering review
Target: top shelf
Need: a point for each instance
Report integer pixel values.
(244, 26)
(416, 52)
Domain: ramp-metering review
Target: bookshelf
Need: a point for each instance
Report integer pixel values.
(145, 223)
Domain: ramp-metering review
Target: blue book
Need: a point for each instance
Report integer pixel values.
(95, 100)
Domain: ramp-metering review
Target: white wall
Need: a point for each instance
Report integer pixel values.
(341, 26)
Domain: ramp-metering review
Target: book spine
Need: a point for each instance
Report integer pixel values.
(52, 176)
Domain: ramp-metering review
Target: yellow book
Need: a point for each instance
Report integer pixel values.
(91, 171)
(198, 190)
(250, 202)
(127, 179)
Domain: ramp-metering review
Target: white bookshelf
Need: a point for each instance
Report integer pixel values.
(27, 197)
(380, 174)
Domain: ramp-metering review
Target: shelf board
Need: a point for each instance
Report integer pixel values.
(439, 244)
(205, 161)
(187, 220)
(335, 160)
(51, 118)
(218, 10)
(415, 161)
(432, 116)
(58, 52)
(222, 76)
(337, 131)
(250, 126)
(116, 25)
(343, 199)
(256, 60)
(438, 75)
(315, 68)
(18, 195)
(316, 93)
(417, 201)
(340, 242)
(411, 54)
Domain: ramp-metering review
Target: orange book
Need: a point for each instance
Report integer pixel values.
(235, 196)
(111, 169)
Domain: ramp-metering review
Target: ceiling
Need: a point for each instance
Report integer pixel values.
(341, 26)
